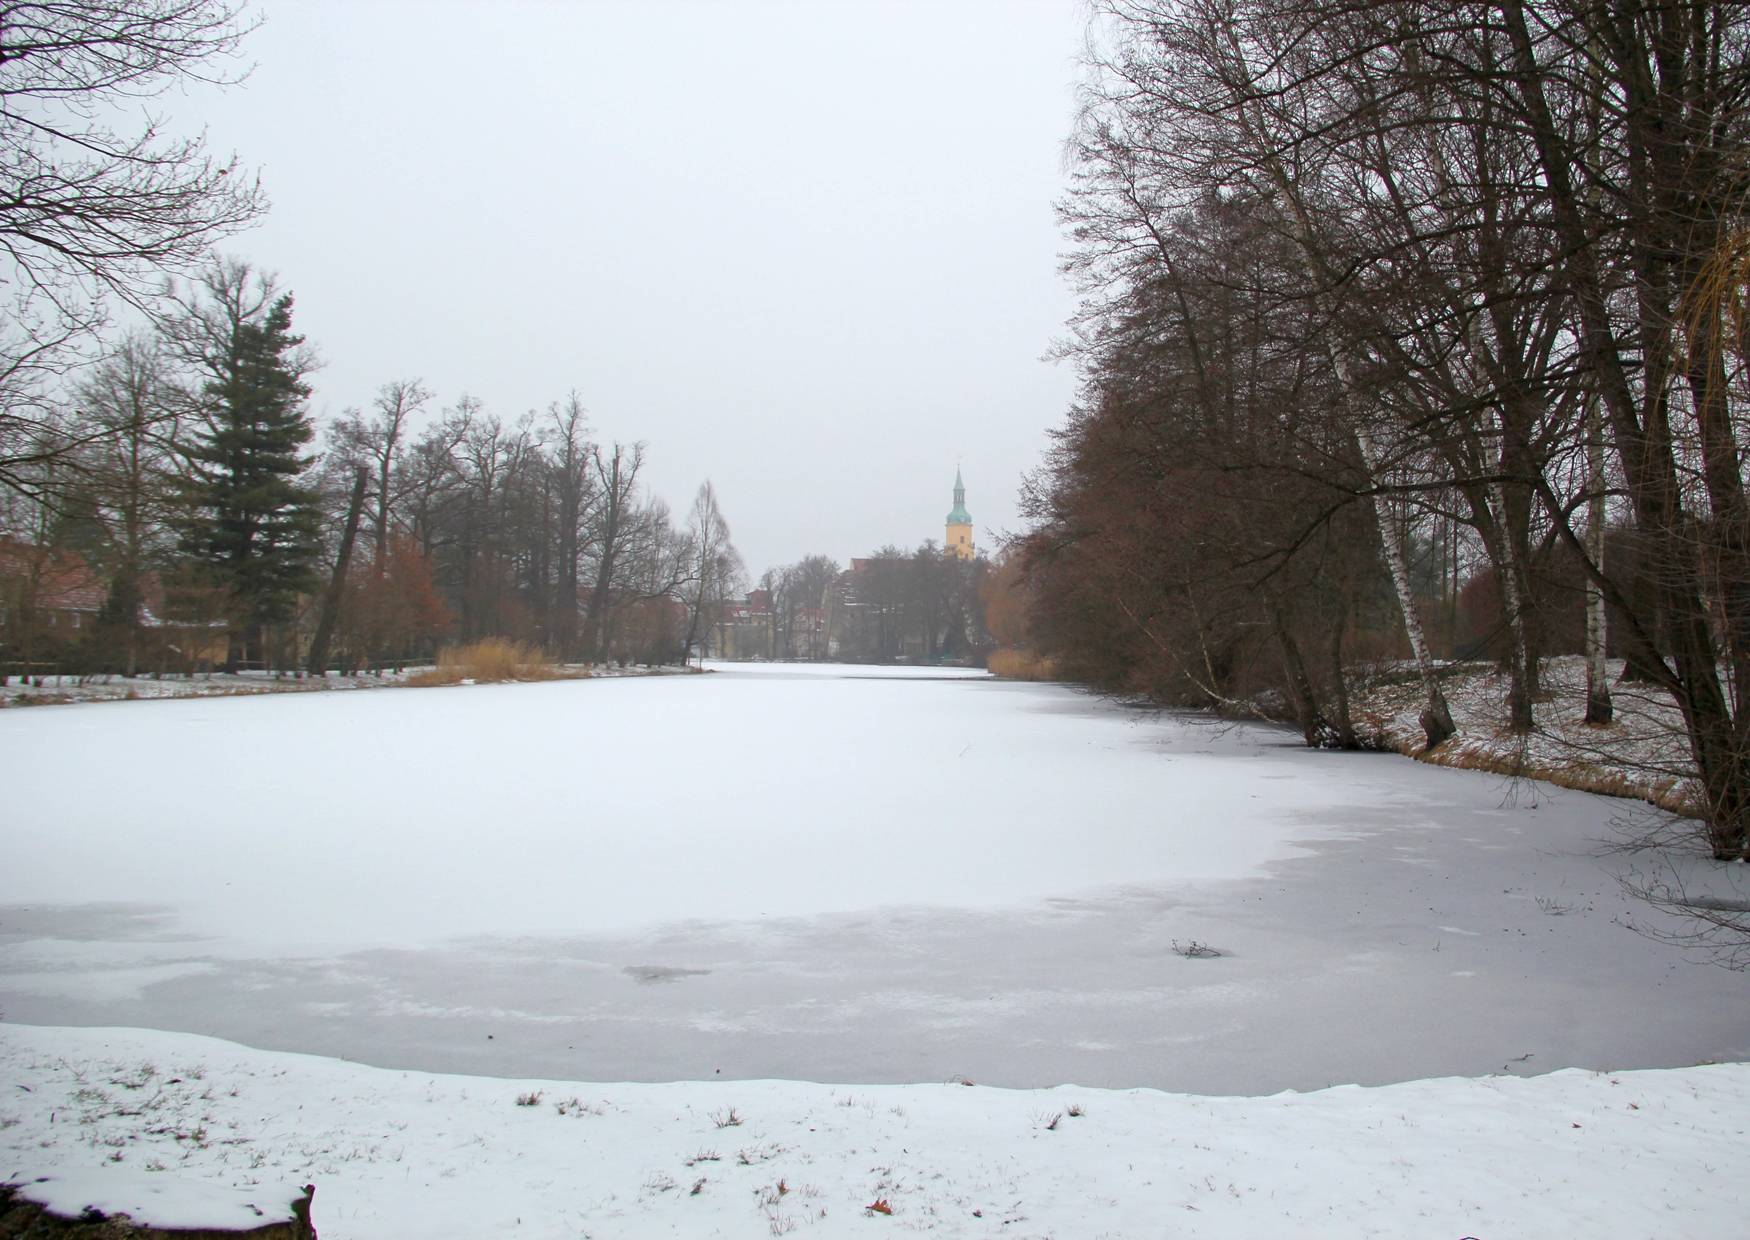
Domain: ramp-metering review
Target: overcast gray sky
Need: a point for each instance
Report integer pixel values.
(806, 249)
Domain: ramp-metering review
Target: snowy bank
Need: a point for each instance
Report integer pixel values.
(1632, 1154)
(105, 687)
(113, 687)
(1643, 753)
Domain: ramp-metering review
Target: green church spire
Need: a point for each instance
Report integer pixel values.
(959, 516)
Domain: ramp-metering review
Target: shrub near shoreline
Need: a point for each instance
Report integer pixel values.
(1021, 665)
(492, 659)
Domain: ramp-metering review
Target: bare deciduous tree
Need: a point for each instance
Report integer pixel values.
(715, 566)
(88, 211)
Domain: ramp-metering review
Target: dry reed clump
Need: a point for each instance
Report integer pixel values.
(1021, 665)
(490, 660)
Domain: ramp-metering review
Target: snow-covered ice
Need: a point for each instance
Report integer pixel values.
(820, 874)
(393, 819)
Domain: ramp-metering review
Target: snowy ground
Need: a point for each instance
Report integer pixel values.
(113, 1113)
(842, 876)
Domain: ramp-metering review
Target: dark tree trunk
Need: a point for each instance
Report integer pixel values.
(1313, 727)
(318, 660)
(1343, 722)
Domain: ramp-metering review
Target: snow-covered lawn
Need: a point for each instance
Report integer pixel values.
(392, 1154)
(881, 881)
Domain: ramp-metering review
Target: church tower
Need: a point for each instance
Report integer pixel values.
(959, 540)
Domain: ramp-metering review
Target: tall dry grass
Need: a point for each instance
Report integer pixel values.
(491, 660)
(1021, 665)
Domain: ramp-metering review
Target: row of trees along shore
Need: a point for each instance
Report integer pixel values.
(1409, 329)
(155, 426)
(181, 477)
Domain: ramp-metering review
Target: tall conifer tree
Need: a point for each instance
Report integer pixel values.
(252, 526)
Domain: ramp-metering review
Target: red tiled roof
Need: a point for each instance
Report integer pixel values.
(62, 579)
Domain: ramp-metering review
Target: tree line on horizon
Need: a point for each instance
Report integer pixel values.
(1408, 330)
(179, 470)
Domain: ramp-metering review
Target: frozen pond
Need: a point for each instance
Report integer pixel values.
(832, 874)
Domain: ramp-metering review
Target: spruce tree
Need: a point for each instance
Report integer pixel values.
(252, 527)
